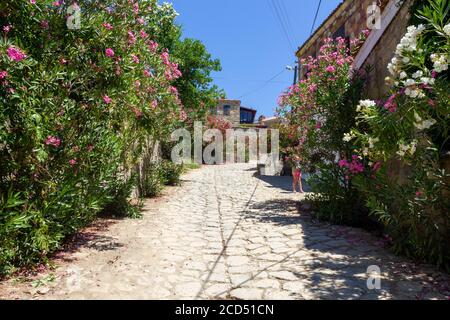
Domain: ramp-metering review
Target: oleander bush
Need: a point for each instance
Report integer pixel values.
(319, 110)
(171, 173)
(76, 106)
(409, 132)
(387, 168)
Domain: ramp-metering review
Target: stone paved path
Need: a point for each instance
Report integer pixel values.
(228, 234)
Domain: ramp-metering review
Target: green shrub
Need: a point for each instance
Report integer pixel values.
(152, 182)
(171, 173)
(76, 107)
(335, 199)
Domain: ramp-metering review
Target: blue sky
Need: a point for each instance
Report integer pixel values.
(247, 38)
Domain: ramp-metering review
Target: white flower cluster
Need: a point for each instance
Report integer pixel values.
(440, 62)
(447, 30)
(365, 104)
(421, 124)
(407, 149)
(348, 137)
(407, 44)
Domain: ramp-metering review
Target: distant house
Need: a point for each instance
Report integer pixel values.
(234, 112)
(271, 122)
(348, 20)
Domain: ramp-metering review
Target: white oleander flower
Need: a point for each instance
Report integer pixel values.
(429, 81)
(417, 74)
(447, 30)
(372, 142)
(348, 137)
(403, 75)
(440, 62)
(425, 125)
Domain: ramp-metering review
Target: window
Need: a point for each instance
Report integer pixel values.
(226, 110)
(247, 116)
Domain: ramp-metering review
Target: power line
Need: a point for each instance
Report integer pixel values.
(315, 18)
(277, 17)
(263, 86)
(288, 20)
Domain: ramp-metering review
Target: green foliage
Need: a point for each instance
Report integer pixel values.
(76, 107)
(152, 182)
(406, 136)
(171, 173)
(336, 199)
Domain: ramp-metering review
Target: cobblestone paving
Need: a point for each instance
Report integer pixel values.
(229, 234)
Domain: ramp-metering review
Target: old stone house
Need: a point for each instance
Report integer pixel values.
(387, 21)
(234, 112)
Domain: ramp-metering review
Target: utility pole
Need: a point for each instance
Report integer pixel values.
(295, 74)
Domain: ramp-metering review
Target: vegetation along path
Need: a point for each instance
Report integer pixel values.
(228, 234)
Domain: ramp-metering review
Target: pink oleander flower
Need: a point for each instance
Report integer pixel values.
(53, 141)
(376, 166)
(33, 1)
(107, 99)
(3, 75)
(131, 37)
(431, 102)
(173, 90)
(16, 54)
(153, 46)
(138, 113)
(165, 58)
(140, 20)
(331, 69)
(7, 28)
(107, 26)
(90, 148)
(147, 73)
(143, 34)
(135, 58)
(109, 53)
(419, 194)
(57, 3)
(154, 104)
(44, 24)
(72, 162)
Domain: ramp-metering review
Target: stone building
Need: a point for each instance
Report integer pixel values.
(348, 20)
(234, 112)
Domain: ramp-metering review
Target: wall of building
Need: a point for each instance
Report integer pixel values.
(384, 51)
(235, 113)
(350, 15)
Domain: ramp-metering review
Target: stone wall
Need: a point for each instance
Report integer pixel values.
(235, 112)
(384, 51)
(348, 20)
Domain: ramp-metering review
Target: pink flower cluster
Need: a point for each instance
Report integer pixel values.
(390, 104)
(53, 141)
(107, 99)
(153, 46)
(107, 26)
(109, 53)
(15, 54)
(3, 75)
(354, 167)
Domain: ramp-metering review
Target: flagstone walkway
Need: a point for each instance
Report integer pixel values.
(228, 234)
